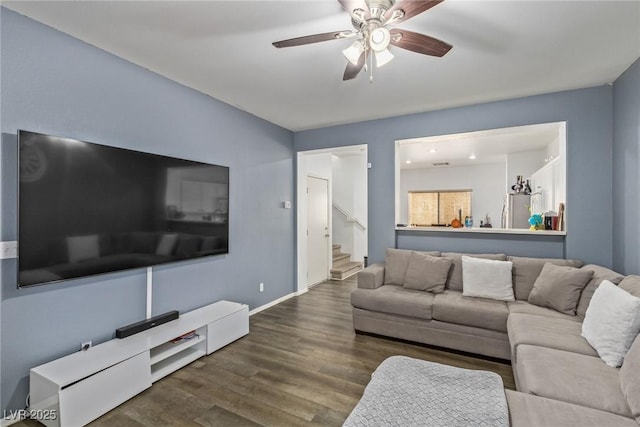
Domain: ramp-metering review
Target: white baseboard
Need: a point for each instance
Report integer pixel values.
(6, 422)
(277, 301)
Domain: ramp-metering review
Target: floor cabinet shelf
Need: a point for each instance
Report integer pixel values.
(175, 362)
(85, 385)
(168, 349)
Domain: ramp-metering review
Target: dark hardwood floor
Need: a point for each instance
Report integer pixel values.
(301, 364)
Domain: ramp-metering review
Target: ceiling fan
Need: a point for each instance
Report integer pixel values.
(370, 18)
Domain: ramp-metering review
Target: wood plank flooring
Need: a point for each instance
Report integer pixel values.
(301, 365)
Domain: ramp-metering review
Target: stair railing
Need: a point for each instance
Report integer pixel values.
(349, 216)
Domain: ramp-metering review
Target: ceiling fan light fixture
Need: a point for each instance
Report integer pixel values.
(383, 57)
(353, 52)
(379, 39)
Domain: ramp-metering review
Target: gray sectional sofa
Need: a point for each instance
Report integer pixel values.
(560, 378)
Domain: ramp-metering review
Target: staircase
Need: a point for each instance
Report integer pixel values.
(342, 266)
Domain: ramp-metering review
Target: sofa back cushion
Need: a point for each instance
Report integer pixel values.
(526, 270)
(631, 284)
(599, 274)
(396, 262)
(454, 281)
(630, 378)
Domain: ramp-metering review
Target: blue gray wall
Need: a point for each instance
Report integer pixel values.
(588, 113)
(55, 84)
(626, 178)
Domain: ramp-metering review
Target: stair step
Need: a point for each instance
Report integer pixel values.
(336, 249)
(340, 259)
(345, 270)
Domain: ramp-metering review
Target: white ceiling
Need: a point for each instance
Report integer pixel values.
(502, 49)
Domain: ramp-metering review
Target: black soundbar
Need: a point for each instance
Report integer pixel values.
(143, 325)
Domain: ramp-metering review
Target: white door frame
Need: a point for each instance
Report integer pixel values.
(301, 210)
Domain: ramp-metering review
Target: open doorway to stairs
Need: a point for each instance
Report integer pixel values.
(341, 251)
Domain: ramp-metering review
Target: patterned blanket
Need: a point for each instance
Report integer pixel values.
(411, 392)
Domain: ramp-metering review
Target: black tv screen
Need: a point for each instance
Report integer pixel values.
(87, 209)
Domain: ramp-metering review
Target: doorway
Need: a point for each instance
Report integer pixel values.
(342, 172)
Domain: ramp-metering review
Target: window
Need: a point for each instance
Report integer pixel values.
(427, 208)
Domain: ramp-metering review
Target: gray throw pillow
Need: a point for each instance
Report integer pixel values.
(396, 262)
(599, 274)
(559, 287)
(427, 273)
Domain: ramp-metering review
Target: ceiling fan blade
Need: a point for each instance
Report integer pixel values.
(406, 9)
(419, 43)
(352, 70)
(351, 5)
(315, 38)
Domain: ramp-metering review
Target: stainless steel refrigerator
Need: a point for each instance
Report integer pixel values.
(517, 211)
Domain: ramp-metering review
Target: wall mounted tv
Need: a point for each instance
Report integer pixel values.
(86, 209)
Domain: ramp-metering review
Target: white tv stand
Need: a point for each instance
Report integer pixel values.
(76, 389)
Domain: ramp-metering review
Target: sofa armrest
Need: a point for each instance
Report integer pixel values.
(371, 277)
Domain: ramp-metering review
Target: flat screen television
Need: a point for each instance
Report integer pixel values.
(86, 209)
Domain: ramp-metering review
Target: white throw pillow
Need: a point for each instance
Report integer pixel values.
(487, 278)
(612, 322)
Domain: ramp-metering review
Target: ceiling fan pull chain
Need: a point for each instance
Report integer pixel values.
(371, 69)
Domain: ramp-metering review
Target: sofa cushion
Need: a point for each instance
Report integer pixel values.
(559, 287)
(396, 262)
(526, 410)
(570, 377)
(599, 274)
(426, 272)
(612, 322)
(630, 378)
(550, 332)
(486, 278)
(394, 299)
(453, 307)
(454, 282)
(526, 270)
(527, 308)
(631, 284)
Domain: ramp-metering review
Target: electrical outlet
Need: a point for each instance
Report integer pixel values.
(85, 346)
(261, 287)
(8, 249)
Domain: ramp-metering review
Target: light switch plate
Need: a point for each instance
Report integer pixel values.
(286, 204)
(8, 249)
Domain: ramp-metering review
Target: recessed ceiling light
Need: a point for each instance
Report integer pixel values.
(472, 156)
(433, 150)
(408, 162)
